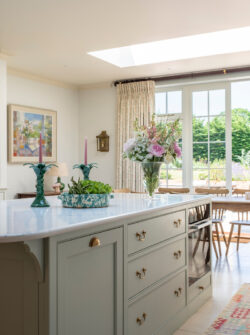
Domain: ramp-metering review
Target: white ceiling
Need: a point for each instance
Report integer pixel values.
(51, 38)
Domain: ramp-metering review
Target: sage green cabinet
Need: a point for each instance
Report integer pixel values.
(90, 285)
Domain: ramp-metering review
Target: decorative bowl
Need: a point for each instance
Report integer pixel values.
(84, 200)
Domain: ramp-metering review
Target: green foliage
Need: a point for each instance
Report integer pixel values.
(88, 187)
(244, 158)
(240, 136)
(240, 132)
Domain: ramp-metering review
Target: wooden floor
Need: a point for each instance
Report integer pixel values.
(229, 274)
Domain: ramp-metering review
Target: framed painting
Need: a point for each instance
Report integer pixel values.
(24, 127)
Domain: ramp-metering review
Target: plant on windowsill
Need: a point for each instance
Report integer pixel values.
(86, 194)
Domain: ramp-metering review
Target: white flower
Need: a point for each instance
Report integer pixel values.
(129, 145)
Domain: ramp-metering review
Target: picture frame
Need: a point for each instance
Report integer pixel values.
(24, 127)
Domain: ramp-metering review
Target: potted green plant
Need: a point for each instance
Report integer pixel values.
(86, 194)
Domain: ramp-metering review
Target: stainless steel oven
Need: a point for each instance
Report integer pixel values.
(199, 242)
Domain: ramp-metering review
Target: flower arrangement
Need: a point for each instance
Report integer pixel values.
(151, 146)
(155, 143)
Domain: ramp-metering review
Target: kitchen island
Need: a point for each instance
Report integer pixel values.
(118, 270)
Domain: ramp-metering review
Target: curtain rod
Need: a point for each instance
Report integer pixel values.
(186, 75)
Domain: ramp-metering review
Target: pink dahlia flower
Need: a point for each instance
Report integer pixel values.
(156, 150)
(177, 150)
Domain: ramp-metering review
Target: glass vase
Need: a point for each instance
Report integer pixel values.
(151, 176)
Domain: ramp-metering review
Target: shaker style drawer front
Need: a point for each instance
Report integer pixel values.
(149, 232)
(199, 287)
(145, 270)
(148, 314)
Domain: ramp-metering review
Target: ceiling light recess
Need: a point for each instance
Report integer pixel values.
(193, 46)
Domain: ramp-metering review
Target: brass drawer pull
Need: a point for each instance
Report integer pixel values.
(141, 320)
(141, 274)
(201, 288)
(178, 292)
(177, 254)
(141, 236)
(94, 242)
(177, 223)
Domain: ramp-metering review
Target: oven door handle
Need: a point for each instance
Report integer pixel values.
(203, 225)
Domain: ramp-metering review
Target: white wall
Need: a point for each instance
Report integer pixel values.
(3, 124)
(97, 113)
(65, 101)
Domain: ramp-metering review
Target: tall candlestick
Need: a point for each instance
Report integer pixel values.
(86, 151)
(40, 149)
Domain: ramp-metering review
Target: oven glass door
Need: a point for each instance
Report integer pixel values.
(199, 251)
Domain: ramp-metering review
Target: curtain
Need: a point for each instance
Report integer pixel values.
(134, 101)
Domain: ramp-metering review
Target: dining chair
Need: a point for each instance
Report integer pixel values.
(122, 190)
(240, 192)
(242, 221)
(172, 190)
(218, 191)
(217, 217)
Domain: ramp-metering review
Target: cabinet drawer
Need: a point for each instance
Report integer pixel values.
(146, 233)
(151, 267)
(199, 287)
(147, 314)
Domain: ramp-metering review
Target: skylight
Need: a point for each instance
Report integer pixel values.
(193, 46)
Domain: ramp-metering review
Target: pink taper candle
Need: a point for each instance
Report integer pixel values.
(40, 149)
(86, 151)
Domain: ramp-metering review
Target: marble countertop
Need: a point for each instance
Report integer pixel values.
(20, 222)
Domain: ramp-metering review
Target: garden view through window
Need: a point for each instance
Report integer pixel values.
(170, 104)
(240, 93)
(209, 138)
(220, 139)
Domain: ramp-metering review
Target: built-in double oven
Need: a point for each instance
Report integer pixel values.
(199, 242)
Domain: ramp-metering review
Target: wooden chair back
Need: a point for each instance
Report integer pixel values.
(218, 214)
(240, 192)
(219, 191)
(122, 190)
(173, 190)
(243, 216)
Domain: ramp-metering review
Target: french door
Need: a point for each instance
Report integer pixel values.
(210, 121)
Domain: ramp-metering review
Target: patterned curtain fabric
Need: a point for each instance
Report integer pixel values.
(134, 101)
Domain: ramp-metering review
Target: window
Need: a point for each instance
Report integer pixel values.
(170, 104)
(209, 138)
(215, 133)
(240, 104)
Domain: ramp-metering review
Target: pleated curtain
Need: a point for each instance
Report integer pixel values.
(134, 101)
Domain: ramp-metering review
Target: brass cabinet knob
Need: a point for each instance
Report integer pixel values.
(178, 292)
(177, 223)
(201, 288)
(142, 319)
(141, 236)
(177, 254)
(141, 274)
(94, 242)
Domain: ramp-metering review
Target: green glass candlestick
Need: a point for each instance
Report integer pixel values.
(40, 169)
(85, 169)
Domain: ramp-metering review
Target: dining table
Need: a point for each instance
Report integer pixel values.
(231, 203)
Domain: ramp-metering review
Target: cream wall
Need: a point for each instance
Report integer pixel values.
(3, 122)
(97, 113)
(63, 100)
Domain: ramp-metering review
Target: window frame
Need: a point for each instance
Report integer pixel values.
(173, 89)
(228, 135)
(187, 119)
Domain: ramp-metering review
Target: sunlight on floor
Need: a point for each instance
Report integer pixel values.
(229, 274)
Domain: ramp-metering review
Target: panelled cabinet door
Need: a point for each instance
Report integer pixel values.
(90, 285)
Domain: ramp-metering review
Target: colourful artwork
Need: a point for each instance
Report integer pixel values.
(25, 126)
